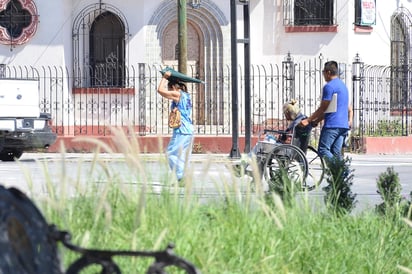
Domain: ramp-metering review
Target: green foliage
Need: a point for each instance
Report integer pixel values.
(389, 188)
(281, 184)
(339, 198)
(228, 238)
(387, 128)
(230, 234)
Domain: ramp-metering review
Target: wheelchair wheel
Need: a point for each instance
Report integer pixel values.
(316, 169)
(289, 158)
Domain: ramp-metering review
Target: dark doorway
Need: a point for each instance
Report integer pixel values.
(107, 51)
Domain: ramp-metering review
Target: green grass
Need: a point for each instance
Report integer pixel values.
(227, 235)
(232, 237)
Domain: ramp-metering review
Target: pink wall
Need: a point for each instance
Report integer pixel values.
(215, 144)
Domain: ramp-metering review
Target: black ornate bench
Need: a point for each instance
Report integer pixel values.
(28, 244)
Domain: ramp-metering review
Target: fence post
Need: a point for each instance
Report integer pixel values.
(234, 152)
(358, 85)
(2, 70)
(288, 71)
(142, 100)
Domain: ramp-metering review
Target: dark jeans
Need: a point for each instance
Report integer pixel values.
(331, 141)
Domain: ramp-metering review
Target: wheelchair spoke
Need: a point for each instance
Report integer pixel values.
(316, 169)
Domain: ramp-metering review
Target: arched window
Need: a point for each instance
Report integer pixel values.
(107, 51)
(400, 59)
(100, 36)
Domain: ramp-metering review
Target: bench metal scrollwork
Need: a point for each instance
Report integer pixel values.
(29, 245)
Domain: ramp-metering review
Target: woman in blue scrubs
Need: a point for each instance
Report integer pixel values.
(179, 149)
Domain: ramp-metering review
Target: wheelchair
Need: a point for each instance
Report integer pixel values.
(301, 162)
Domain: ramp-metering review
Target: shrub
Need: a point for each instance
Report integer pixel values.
(339, 198)
(389, 188)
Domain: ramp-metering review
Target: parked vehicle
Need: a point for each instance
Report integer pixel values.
(22, 126)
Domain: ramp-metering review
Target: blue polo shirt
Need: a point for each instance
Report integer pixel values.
(338, 119)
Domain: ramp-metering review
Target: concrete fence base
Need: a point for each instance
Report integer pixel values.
(388, 145)
(206, 144)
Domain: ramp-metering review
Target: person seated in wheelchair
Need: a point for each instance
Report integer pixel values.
(293, 115)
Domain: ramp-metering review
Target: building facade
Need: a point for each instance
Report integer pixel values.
(98, 61)
(84, 32)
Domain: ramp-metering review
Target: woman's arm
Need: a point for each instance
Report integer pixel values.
(172, 94)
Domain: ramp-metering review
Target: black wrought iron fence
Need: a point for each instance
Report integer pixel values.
(386, 103)
(39, 251)
(382, 102)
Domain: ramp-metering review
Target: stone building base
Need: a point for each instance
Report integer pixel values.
(208, 144)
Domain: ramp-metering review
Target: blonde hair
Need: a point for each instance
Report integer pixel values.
(292, 109)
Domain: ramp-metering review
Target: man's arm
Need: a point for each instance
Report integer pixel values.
(350, 115)
(317, 116)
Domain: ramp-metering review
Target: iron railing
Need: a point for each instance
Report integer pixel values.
(137, 106)
(39, 251)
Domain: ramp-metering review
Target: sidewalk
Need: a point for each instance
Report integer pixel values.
(200, 157)
(211, 172)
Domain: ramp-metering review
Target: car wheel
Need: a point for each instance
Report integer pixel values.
(9, 156)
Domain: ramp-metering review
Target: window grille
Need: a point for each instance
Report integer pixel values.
(401, 39)
(18, 21)
(309, 12)
(100, 35)
(14, 18)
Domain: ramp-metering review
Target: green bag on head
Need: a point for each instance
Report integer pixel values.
(179, 77)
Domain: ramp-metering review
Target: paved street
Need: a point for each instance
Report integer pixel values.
(211, 176)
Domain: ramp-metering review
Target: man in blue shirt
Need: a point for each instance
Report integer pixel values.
(334, 110)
